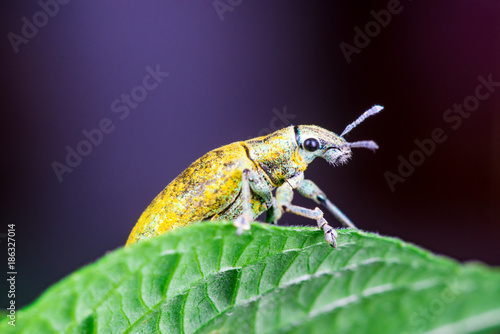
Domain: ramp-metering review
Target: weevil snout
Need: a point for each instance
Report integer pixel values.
(338, 155)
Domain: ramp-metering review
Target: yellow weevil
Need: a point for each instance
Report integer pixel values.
(235, 182)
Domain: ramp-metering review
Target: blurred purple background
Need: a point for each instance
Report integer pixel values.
(225, 79)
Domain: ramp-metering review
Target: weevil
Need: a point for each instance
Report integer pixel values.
(236, 182)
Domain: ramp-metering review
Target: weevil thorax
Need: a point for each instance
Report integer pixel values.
(314, 141)
(277, 154)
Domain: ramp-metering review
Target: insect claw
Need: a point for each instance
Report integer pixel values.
(331, 239)
(242, 223)
(333, 243)
(330, 233)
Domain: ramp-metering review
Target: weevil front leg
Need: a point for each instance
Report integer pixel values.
(309, 189)
(284, 196)
(251, 182)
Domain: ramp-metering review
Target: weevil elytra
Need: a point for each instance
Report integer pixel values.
(236, 181)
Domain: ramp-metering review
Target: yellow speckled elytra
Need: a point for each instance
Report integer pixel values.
(235, 182)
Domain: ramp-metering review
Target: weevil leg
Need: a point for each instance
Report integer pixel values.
(242, 222)
(309, 189)
(284, 196)
(260, 187)
(251, 182)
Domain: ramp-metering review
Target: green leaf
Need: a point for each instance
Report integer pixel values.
(206, 279)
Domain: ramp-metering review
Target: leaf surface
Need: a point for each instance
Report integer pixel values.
(206, 279)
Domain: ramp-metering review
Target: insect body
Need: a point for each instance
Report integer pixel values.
(236, 181)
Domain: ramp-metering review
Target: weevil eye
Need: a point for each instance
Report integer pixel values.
(311, 144)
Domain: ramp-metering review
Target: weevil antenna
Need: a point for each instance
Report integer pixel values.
(368, 144)
(372, 111)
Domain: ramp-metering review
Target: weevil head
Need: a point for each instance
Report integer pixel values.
(313, 141)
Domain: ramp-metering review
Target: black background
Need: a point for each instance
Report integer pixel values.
(226, 77)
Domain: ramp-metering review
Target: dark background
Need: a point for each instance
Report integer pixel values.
(226, 77)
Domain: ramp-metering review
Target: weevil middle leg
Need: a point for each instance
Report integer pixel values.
(309, 189)
(284, 196)
(251, 183)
